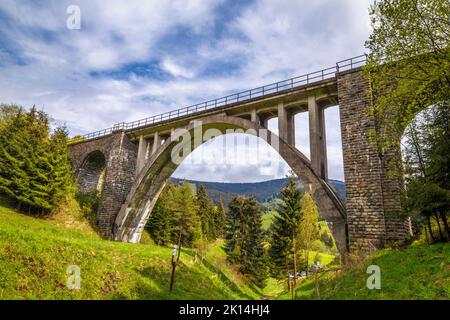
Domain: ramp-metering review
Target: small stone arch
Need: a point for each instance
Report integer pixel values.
(145, 191)
(91, 173)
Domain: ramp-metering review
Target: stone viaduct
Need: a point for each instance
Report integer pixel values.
(131, 162)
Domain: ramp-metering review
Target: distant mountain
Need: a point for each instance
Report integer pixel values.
(263, 191)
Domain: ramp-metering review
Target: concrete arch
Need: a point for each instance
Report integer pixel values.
(145, 191)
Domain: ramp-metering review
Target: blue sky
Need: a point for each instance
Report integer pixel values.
(132, 59)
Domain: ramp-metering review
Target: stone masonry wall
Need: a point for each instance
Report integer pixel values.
(371, 195)
(120, 154)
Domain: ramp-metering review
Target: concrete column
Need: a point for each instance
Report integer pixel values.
(291, 128)
(156, 142)
(140, 161)
(317, 139)
(148, 149)
(282, 122)
(255, 117)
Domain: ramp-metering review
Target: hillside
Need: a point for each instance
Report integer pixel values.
(263, 191)
(35, 253)
(417, 272)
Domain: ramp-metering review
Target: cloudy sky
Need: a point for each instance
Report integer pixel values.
(133, 59)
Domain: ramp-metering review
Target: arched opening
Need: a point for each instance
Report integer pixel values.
(150, 182)
(91, 174)
(425, 173)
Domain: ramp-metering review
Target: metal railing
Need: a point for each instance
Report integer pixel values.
(273, 88)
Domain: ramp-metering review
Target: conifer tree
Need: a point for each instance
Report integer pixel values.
(14, 178)
(61, 175)
(220, 217)
(284, 247)
(253, 256)
(205, 213)
(34, 169)
(184, 220)
(244, 238)
(235, 227)
(158, 224)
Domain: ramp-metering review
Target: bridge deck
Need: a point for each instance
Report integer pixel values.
(324, 80)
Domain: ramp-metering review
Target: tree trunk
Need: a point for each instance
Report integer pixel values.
(426, 234)
(295, 258)
(446, 227)
(307, 260)
(439, 225)
(430, 229)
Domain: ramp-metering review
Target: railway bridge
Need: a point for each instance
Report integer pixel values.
(131, 162)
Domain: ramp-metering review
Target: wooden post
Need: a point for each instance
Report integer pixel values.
(175, 262)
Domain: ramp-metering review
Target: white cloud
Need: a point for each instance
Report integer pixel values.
(175, 69)
(267, 41)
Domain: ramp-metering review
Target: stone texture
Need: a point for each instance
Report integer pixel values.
(373, 198)
(120, 155)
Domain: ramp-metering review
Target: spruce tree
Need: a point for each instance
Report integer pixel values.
(235, 227)
(284, 232)
(61, 175)
(34, 169)
(253, 256)
(219, 221)
(205, 213)
(184, 220)
(38, 163)
(158, 224)
(14, 178)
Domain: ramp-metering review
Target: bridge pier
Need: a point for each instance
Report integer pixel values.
(142, 152)
(374, 211)
(317, 139)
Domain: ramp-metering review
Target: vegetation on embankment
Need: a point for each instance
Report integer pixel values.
(35, 254)
(420, 271)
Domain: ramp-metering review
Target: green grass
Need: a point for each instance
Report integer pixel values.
(35, 254)
(417, 272)
(276, 289)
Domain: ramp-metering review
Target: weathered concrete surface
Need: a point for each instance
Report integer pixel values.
(140, 201)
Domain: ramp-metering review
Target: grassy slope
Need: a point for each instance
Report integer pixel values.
(34, 256)
(418, 272)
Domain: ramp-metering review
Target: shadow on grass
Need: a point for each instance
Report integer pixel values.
(190, 284)
(230, 284)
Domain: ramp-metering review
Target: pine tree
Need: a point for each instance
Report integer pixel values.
(219, 221)
(184, 220)
(38, 163)
(234, 225)
(244, 238)
(158, 224)
(284, 247)
(34, 169)
(14, 178)
(253, 256)
(205, 213)
(61, 175)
